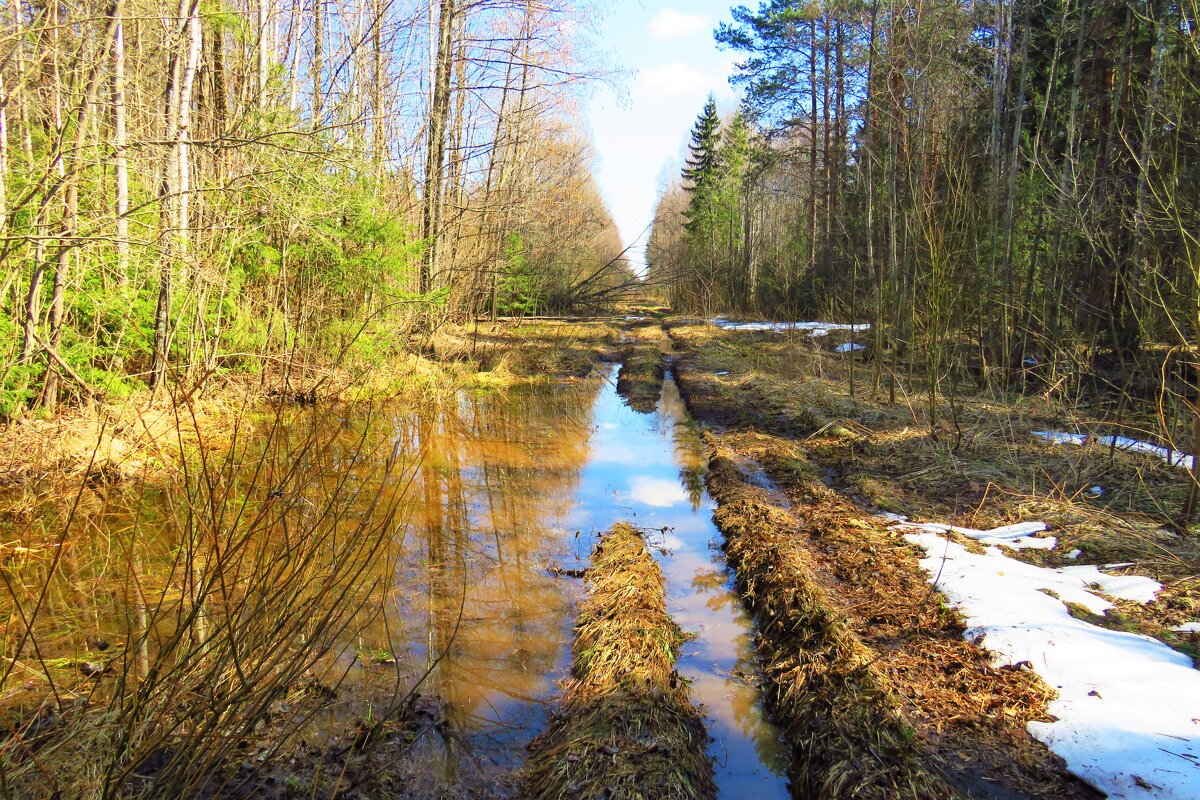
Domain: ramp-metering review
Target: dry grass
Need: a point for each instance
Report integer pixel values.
(982, 468)
(785, 406)
(944, 686)
(626, 728)
(529, 350)
(839, 712)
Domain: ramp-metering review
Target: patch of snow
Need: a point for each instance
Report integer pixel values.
(1127, 704)
(1016, 536)
(812, 328)
(1187, 627)
(1173, 458)
(1096, 491)
(1029, 361)
(722, 372)
(849, 347)
(1074, 554)
(890, 517)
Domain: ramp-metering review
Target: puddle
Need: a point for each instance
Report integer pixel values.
(511, 486)
(649, 469)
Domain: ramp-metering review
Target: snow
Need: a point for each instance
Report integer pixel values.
(1017, 536)
(813, 328)
(1187, 627)
(1172, 457)
(848, 347)
(1128, 707)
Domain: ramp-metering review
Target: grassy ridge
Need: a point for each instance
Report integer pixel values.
(626, 728)
(842, 719)
(641, 376)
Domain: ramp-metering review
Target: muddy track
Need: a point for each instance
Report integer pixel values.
(878, 693)
(626, 728)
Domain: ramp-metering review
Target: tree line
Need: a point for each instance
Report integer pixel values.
(998, 186)
(229, 184)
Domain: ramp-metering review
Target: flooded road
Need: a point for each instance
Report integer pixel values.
(491, 496)
(649, 469)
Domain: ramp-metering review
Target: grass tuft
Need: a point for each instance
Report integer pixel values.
(626, 728)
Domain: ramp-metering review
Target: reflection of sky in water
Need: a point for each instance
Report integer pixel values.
(507, 485)
(516, 482)
(646, 468)
(656, 492)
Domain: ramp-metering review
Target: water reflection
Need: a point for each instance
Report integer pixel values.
(650, 470)
(478, 499)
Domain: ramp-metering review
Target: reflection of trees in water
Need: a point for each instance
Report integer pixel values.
(464, 496)
(689, 449)
(747, 708)
(493, 479)
(692, 478)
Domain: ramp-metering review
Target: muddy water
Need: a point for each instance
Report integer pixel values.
(493, 492)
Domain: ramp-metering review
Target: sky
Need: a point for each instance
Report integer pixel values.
(642, 126)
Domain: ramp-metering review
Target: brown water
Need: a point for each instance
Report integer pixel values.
(481, 499)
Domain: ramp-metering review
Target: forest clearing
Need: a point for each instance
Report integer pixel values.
(374, 423)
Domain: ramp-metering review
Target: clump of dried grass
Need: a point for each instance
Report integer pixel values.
(839, 714)
(626, 728)
(529, 349)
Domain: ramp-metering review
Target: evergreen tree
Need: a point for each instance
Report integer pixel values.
(702, 166)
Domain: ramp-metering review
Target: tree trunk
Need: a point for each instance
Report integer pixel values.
(120, 144)
(435, 152)
(812, 150)
(3, 171)
(173, 214)
(263, 70)
(70, 220)
(318, 63)
(379, 154)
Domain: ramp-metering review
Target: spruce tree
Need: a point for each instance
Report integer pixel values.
(702, 167)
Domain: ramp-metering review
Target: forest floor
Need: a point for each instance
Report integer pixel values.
(811, 482)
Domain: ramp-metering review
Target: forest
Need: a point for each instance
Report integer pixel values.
(355, 443)
(218, 187)
(998, 188)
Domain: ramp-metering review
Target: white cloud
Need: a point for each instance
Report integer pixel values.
(672, 24)
(671, 80)
(657, 492)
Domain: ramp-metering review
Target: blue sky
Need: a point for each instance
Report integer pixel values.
(642, 127)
